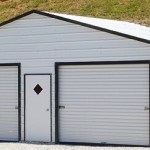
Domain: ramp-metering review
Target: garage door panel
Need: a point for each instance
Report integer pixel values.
(111, 119)
(120, 124)
(105, 87)
(108, 101)
(8, 102)
(110, 113)
(103, 79)
(104, 104)
(104, 72)
(8, 120)
(110, 93)
(107, 66)
(12, 136)
(107, 132)
(4, 133)
(11, 124)
(106, 98)
(120, 140)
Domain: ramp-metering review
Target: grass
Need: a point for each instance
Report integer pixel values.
(137, 11)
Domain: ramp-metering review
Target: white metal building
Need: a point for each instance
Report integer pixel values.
(73, 79)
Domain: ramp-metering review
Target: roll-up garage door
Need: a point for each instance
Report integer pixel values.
(105, 104)
(8, 103)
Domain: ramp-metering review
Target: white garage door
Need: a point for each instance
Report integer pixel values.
(8, 103)
(107, 104)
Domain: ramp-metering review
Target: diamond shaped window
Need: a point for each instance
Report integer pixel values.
(38, 89)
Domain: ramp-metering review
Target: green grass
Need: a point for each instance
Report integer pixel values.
(137, 11)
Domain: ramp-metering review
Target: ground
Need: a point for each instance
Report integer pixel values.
(38, 146)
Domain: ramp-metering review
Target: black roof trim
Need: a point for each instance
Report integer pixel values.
(75, 22)
(18, 17)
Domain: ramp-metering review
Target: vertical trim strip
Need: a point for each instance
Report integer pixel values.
(149, 104)
(24, 106)
(51, 105)
(19, 102)
(56, 105)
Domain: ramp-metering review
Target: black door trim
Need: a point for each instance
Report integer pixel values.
(57, 64)
(50, 102)
(19, 98)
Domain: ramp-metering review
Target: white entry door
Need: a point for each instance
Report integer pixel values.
(37, 108)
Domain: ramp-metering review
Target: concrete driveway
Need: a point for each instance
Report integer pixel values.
(39, 146)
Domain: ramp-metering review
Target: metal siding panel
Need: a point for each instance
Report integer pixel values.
(29, 23)
(8, 101)
(57, 38)
(22, 31)
(97, 44)
(108, 112)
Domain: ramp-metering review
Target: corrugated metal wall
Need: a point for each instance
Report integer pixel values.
(38, 41)
(104, 104)
(8, 102)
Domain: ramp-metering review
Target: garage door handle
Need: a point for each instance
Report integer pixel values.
(61, 107)
(16, 107)
(146, 108)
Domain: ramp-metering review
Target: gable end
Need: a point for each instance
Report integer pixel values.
(75, 22)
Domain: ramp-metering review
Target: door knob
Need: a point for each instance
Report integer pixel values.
(47, 109)
(146, 108)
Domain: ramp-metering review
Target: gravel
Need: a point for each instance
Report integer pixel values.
(41, 146)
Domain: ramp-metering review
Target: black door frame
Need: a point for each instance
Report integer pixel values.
(58, 64)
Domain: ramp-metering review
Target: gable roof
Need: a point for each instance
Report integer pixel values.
(121, 28)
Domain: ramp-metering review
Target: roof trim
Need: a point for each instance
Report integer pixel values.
(75, 22)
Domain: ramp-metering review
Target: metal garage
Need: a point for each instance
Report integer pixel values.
(9, 102)
(74, 79)
(103, 103)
